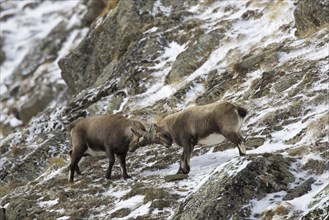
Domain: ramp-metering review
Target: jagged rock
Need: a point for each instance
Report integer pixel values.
(31, 89)
(44, 52)
(299, 190)
(2, 54)
(2, 214)
(311, 15)
(260, 87)
(194, 56)
(34, 160)
(19, 209)
(216, 85)
(317, 214)
(254, 14)
(35, 104)
(255, 142)
(120, 213)
(106, 41)
(252, 62)
(319, 211)
(223, 196)
(94, 9)
(316, 166)
(115, 47)
(171, 178)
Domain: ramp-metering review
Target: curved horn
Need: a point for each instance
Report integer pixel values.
(136, 132)
(145, 138)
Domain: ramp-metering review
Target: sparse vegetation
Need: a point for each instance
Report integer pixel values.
(279, 210)
(301, 150)
(316, 166)
(4, 189)
(56, 162)
(155, 193)
(7, 187)
(16, 151)
(110, 5)
(275, 8)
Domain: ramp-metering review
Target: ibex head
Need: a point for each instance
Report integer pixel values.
(155, 135)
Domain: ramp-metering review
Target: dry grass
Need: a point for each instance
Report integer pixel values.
(16, 150)
(298, 151)
(56, 162)
(315, 166)
(110, 4)
(100, 28)
(4, 189)
(279, 211)
(309, 33)
(318, 128)
(117, 55)
(274, 9)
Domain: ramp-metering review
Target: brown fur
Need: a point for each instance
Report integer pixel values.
(105, 133)
(194, 123)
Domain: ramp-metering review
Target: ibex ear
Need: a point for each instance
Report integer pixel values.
(134, 132)
(156, 127)
(138, 135)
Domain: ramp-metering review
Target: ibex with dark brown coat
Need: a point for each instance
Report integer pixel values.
(107, 135)
(206, 124)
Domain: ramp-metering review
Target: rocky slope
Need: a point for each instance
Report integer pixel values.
(146, 59)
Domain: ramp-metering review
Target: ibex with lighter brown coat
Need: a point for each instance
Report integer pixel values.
(206, 124)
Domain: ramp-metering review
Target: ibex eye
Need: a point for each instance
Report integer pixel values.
(166, 135)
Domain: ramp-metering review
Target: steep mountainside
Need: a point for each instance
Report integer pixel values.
(61, 60)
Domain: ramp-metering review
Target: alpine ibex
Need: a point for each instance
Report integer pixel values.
(206, 124)
(107, 135)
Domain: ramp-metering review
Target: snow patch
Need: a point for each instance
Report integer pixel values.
(158, 91)
(134, 203)
(47, 204)
(158, 7)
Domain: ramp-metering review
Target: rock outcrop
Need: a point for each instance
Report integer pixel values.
(108, 39)
(226, 195)
(34, 83)
(2, 54)
(197, 53)
(311, 15)
(94, 9)
(45, 51)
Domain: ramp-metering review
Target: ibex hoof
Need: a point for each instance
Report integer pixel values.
(127, 177)
(181, 171)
